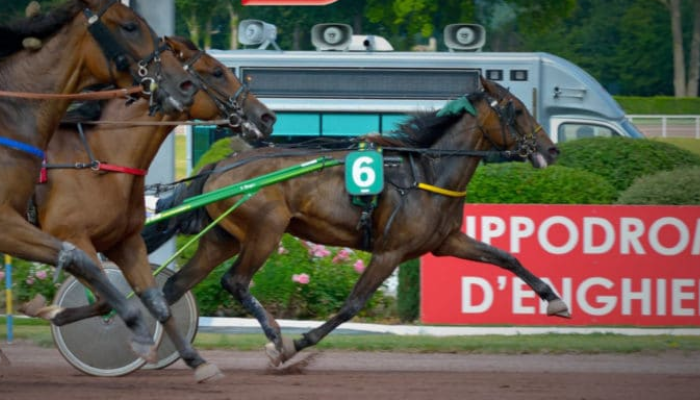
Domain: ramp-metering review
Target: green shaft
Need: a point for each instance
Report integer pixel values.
(246, 186)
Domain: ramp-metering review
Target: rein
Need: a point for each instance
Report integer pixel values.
(98, 95)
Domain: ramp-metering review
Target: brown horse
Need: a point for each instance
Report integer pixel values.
(84, 42)
(67, 207)
(419, 211)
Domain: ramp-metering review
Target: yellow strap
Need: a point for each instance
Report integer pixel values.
(444, 192)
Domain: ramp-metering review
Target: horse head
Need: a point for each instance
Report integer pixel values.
(222, 94)
(123, 49)
(516, 129)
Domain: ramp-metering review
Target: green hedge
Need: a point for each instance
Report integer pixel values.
(680, 186)
(520, 183)
(408, 291)
(622, 160)
(660, 105)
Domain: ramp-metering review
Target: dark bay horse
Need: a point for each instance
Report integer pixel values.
(84, 42)
(103, 211)
(419, 211)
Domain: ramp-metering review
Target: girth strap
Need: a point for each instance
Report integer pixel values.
(94, 164)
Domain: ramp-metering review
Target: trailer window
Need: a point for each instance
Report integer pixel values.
(573, 131)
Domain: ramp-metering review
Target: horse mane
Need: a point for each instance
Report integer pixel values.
(40, 26)
(185, 42)
(421, 131)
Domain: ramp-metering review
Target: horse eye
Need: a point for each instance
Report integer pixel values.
(218, 73)
(130, 26)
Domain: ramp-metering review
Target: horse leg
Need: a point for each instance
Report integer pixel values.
(131, 257)
(213, 249)
(378, 270)
(261, 240)
(464, 247)
(23, 240)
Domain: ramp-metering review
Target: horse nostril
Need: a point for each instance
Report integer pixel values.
(554, 151)
(188, 87)
(268, 119)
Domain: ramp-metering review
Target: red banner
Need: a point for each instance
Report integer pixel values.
(613, 265)
(287, 2)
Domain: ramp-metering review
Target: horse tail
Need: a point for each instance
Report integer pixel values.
(190, 222)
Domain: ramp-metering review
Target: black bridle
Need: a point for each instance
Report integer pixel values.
(115, 53)
(231, 107)
(505, 110)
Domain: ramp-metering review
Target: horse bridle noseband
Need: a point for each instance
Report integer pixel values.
(232, 107)
(115, 52)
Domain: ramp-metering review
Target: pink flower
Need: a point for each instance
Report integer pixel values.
(282, 250)
(319, 250)
(41, 274)
(30, 281)
(359, 266)
(302, 279)
(342, 255)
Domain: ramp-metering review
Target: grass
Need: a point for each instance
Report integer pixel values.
(180, 156)
(38, 332)
(689, 144)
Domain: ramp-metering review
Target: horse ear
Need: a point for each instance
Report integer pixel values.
(33, 9)
(31, 43)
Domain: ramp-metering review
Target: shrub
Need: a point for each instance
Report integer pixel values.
(520, 183)
(680, 186)
(28, 280)
(408, 292)
(218, 151)
(622, 160)
(301, 280)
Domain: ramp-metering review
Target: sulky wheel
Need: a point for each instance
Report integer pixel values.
(99, 345)
(187, 317)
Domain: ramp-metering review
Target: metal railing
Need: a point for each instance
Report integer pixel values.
(667, 125)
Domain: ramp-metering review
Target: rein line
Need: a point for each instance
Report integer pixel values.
(157, 123)
(99, 95)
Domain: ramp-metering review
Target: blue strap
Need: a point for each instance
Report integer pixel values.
(22, 146)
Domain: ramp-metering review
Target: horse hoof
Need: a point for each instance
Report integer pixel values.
(147, 351)
(33, 306)
(558, 308)
(50, 312)
(288, 348)
(274, 355)
(207, 373)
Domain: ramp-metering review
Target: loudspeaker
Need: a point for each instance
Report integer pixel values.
(470, 37)
(331, 36)
(254, 32)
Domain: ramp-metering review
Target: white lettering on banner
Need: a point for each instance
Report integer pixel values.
(589, 247)
(521, 227)
(492, 227)
(595, 296)
(682, 240)
(596, 235)
(632, 229)
(467, 306)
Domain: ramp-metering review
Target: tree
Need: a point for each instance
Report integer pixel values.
(685, 87)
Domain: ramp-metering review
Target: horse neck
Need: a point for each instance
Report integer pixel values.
(51, 69)
(455, 172)
(134, 145)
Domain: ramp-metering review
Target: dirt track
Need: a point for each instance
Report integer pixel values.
(40, 373)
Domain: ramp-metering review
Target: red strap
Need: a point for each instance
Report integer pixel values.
(117, 168)
(43, 176)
